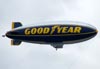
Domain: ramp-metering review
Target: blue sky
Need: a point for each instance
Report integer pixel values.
(85, 55)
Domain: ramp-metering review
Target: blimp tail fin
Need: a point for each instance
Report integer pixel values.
(16, 24)
(15, 42)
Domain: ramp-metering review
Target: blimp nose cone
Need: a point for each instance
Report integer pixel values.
(96, 31)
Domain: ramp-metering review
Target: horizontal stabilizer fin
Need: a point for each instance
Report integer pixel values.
(15, 42)
(16, 24)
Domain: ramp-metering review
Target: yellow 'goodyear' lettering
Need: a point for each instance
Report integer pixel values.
(27, 31)
(46, 30)
(33, 31)
(57, 29)
(40, 30)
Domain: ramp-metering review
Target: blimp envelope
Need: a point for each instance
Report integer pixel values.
(65, 32)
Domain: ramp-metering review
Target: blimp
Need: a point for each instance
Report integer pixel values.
(54, 33)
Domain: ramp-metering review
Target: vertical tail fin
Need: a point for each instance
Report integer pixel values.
(16, 24)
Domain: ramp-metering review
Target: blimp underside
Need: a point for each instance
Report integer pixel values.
(55, 40)
(55, 35)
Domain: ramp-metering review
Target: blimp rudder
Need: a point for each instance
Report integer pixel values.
(16, 24)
